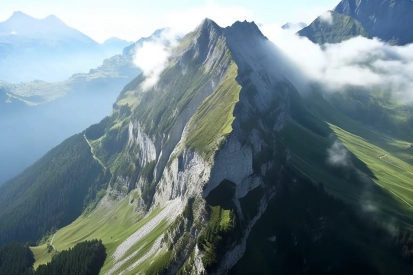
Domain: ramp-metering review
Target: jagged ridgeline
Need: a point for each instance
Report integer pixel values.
(196, 167)
(341, 28)
(383, 19)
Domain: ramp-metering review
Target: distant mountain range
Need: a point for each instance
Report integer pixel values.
(388, 20)
(48, 49)
(52, 111)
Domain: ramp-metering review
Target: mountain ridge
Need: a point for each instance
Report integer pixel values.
(341, 28)
(387, 20)
(197, 161)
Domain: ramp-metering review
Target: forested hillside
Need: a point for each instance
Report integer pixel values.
(51, 193)
(85, 258)
(16, 259)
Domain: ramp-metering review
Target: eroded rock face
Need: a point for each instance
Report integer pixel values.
(182, 183)
(389, 20)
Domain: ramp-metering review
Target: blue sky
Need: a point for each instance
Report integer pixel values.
(132, 19)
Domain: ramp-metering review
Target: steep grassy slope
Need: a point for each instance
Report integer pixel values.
(341, 28)
(200, 82)
(214, 116)
(114, 222)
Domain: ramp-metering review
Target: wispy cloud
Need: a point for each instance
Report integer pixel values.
(152, 56)
(327, 17)
(337, 155)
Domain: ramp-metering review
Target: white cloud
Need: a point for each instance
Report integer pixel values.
(152, 57)
(327, 17)
(307, 13)
(338, 155)
(363, 62)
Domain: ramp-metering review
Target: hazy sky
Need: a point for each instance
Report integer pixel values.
(132, 19)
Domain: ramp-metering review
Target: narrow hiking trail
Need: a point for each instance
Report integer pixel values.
(51, 242)
(388, 162)
(93, 153)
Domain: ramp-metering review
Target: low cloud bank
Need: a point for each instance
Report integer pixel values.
(367, 63)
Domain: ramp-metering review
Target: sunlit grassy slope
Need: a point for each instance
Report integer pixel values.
(41, 255)
(214, 116)
(113, 224)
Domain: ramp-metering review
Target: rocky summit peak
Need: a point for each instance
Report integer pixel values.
(208, 25)
(243, 30)
(19, 16)
(245, 26)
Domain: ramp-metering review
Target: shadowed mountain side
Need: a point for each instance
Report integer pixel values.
(388, 20)
(340, 28)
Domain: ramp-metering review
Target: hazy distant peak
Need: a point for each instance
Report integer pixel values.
(294, 26)
(116, 40)
(19, 15)
(53, 19)
(113, 39)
